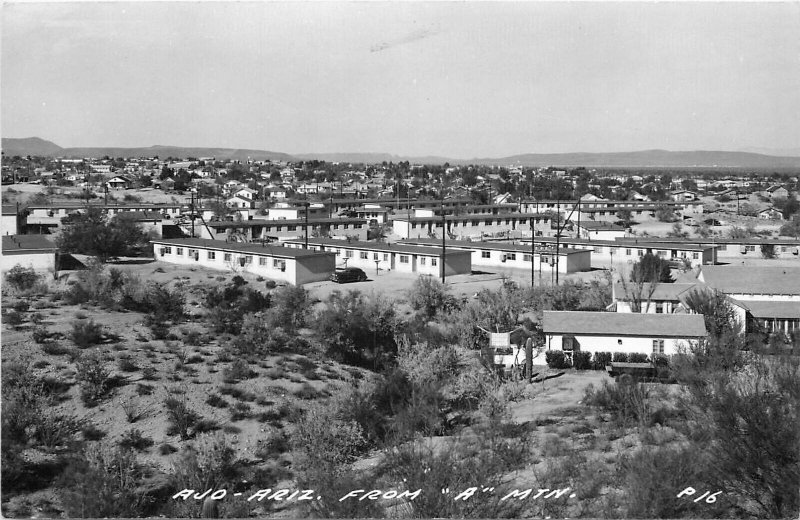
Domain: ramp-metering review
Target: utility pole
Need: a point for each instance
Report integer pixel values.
(558, 230)
(533, 252)
(444, 230)
(307, 204)
(191, 209)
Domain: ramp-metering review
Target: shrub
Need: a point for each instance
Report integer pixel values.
(127, 365)
(240, 411)
(86, 333)
(306, 391)
(54, 349)
(104, 482)
(21, 278)
(21, 306)
(149, 374)
(40, 335)
(182, 419)
(637, 357)
(270, 284)
(92, 433)
(210, 463)
(133, 412)
(142, 389)
(625, 401)
(134, 439)
(601, 360)
(93, 377)
(13, 318)
(582, 360)
(620, 357)
(167, 449)
(556, 359)
(238, 370)
(217, 401)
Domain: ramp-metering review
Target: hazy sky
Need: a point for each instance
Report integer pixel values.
(462, 79)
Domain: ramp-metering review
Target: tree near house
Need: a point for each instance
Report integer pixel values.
(791, 228)
(91, 233)
(678, 231)
(651, 269)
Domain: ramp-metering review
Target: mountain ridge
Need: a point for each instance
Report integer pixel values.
(642, 158)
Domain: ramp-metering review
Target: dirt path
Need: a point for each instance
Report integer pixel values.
(555, 394)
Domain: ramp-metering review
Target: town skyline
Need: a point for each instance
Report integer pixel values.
(364, 78)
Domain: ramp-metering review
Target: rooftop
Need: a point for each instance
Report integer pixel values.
(779, 310)
(239, 247)
(377, 246)
(20, 244)
(494, 246)
(624, 324)
(738, 279)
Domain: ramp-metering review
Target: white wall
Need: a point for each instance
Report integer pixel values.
(38, 261)
(8, 225)
(629, 344)
(312, 270)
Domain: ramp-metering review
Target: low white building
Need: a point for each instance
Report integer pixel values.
(402, 258)
(572, 331)
(501, 255)
(32, 251)
(294, 266)
(9, 225)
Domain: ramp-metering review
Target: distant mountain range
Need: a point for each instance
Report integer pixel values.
(646, 158)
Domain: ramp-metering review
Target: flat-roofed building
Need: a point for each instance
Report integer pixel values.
(510, 225)
(728, 249)
(502, 255)
(272, 230)
(398, 257)
(294, 266)
(606, 253)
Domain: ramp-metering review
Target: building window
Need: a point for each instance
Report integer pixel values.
(659, 308)
(639, 252)
(511, 256)
(750, 248)
(220, 231)
(695, 256)
(168, 250)
(486, 254)
(348, 254)
(276, 263)
(248, 259)
(526, 258)
(227, 257)
(422, 260)
(627, 252)
(661, 253)
(363, 255)
(658, 346)
(434, 262)
(403, 259)
(338, 252)
(179, 251)
(385, 257)
(375, 256)
(211, 255)
(262, 260)
(291, 228)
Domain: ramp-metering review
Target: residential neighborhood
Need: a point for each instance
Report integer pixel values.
(400, 260)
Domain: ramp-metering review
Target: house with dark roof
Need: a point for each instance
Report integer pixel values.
(285, 264)
(120, 182)
(34, 251)
(573, 331)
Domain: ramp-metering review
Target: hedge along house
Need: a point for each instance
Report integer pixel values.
(401, 258)
(33, 251)
(573, 331)
(295, 266)
(501, 255)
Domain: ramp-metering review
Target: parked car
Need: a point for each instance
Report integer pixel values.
(348, 274)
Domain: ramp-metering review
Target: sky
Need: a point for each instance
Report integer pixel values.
(453, 79)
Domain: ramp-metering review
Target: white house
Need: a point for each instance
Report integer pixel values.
(572, 331)
(10, 221)
(294, 266)
(34, 251)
